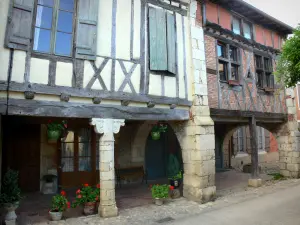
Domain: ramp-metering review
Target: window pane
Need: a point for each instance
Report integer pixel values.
(67, 154)
(259, 77)
(66, 5)
(223, 71)
(236, 26)
(65, 21)
(247, 30)
(84, 156)
(234, 72)
(63, 43)
(267, 64)
(42, 40)
(240, 139)
(258, 61)
(221, 50)
(43, 17)
(46, 2)
(233, 53)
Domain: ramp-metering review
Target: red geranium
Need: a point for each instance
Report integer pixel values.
(171, 188)
(78, 192)
(86, 185)
(79, 196)
(98, 185)
(63, 193)
(68, 205)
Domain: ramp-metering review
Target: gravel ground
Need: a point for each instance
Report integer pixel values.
(179, 208)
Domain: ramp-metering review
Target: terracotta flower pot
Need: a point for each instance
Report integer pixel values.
(55, 216)
(155, 135)
(53, 135)
(159, 201)
(89, 208)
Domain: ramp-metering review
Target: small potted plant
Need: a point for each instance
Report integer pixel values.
(174, 172)
(59, 205)
(160, 193)
(10, 193)
(87, 197)
(54, 130)
(157, 129)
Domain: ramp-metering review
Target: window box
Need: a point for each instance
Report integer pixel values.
(234, 82)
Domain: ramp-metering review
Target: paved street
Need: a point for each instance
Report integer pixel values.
(279, 208)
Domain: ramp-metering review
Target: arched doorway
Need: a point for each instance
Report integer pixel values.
(157, 153)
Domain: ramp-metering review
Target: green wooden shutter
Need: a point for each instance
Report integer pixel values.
(87, 29)
(171, 40)
(158, 39)
(19, 23)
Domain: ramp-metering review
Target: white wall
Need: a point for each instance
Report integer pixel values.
(4, 52)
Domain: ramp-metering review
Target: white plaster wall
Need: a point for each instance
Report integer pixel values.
(188, 57)
(170, 86)
(18, 69)
(104, 28)
(4, 53)
(137, 28)
(64, 73)
(136, 78)
(39, 71)
(88, 73)
(155, 84)
(123, 29)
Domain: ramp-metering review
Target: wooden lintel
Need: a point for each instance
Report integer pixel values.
(224, 115)
(87, 93)
(78, 110)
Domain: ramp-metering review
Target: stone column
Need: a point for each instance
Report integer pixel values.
(288, 139)
(196, 137)
(107, 127)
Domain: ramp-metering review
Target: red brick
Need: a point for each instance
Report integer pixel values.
(211, 12)
(259, 34)
(225, 18)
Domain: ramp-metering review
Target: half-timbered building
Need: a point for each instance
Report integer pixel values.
(115, 68)
(241, 46)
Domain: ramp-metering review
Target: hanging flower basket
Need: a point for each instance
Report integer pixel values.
(157, 129)
(55, 130)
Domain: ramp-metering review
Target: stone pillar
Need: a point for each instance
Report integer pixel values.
(107, 127)
(196, 136)
(288, 139)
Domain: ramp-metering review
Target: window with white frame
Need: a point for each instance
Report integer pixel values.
(242, 27)
(260, 132)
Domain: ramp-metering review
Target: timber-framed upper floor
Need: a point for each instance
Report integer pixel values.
(242, 44)
(101, 55)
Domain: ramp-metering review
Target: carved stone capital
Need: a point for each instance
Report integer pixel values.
(106, 126)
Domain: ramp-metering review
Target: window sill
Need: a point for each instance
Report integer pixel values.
(233, 83)
(269, 90)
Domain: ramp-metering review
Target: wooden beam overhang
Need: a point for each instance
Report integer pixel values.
(237, 116)
(89, 93)
(26, 107)
(256, 15)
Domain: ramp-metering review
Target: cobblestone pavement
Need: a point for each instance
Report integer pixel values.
(176, 209)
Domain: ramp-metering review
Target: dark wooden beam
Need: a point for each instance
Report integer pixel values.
(223, 115)
(254, 148)
(78, 110)
(88, 93)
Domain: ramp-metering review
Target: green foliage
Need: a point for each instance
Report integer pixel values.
(86, 194)
(56, 126)
(59, 203)
(277, 176)
(160, 191)
(173, 170)
(10, 191)
(159, 128)
(288, 65)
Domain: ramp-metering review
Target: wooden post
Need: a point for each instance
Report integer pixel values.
(254, 149)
